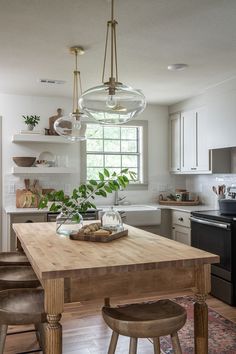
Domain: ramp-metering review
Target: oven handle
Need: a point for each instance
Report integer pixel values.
(211, 223)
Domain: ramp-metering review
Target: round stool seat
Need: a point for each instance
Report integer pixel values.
(17, 277)
(13, 258)
(145, 320)
(22, 306)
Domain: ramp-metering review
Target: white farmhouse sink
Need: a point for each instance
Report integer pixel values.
(139, 214)
(133, 207)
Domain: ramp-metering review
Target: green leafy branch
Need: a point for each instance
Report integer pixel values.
(80, 200)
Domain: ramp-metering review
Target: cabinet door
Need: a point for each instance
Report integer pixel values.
(189, 141)
(203, 153)
(182, 234)
(194, 147)
(175, 142)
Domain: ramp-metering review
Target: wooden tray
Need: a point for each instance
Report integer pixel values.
(97, 238)
(175, 202)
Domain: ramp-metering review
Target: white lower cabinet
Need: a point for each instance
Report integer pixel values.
(181, 231)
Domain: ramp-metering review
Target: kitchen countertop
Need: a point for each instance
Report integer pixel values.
(189, 209)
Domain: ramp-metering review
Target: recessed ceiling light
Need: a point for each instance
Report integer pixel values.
(177, 67)
(51, 81)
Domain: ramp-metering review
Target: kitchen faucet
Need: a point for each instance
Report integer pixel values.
(118, 199)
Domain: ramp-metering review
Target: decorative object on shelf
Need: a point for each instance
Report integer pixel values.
(29, 196)
(51, 130)
(30, 132)
(24, 161)
(112, 102)
(111, 220)
(31, 121)
(80, 200)
(45, 159)
(71, 127)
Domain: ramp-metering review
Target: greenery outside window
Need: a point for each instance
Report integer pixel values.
(115, 148)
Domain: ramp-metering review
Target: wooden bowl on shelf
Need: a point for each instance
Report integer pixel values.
(24, 161)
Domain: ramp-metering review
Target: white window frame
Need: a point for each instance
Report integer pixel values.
(143, 151)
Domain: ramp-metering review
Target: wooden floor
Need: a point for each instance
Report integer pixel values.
(84, 331)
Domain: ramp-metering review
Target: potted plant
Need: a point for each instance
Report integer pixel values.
(31, 121)
(82, 198)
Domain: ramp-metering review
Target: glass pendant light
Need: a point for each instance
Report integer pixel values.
(112, 102)
(71, 127)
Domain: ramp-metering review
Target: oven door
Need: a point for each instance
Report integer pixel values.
(216, 237)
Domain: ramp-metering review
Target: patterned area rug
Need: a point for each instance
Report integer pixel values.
(222, 332)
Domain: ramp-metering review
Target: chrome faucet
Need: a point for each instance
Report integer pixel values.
(118, 199)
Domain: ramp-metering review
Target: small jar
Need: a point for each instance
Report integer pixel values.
(111, 220)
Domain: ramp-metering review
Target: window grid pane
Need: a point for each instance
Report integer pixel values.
(116, 147)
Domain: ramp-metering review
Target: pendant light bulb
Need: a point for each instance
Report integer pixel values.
(112, 102)
(71, 127)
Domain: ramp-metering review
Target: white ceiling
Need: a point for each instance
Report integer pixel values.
(35, 36)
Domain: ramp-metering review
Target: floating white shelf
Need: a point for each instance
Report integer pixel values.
(38, 138)
(42, 170)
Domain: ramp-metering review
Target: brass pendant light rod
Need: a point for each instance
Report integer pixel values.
(112, 102)
(76, 50)
(111, 28)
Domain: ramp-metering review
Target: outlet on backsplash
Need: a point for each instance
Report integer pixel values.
(11, 189)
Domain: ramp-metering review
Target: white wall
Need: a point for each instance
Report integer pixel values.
(12, 107)
(220, 102)
(159, 178)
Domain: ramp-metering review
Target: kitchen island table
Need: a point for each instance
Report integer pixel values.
(136, 264)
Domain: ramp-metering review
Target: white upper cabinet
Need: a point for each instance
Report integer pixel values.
(203, 152)
(175, 142)
(188, 134)
(188, 141)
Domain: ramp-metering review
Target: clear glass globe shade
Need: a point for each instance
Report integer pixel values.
(119, 108)
(70, 127)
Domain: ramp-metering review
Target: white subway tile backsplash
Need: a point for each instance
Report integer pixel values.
(202, 185)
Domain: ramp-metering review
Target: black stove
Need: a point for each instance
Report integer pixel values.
(214, 215)
(216, 233)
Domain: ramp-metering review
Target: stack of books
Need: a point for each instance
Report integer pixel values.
(30, 132)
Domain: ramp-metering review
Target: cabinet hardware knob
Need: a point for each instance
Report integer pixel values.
(180, 219)
(193, 168)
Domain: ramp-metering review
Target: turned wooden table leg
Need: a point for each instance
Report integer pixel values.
(201, 309)
(201, 324)
(54, 301)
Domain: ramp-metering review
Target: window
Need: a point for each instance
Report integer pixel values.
(114, 148)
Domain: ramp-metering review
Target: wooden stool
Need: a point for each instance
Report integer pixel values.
(146, 320)
(13, 258)
(20, 307)
(17, 277)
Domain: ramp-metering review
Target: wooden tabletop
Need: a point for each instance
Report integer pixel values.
(53, 256)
